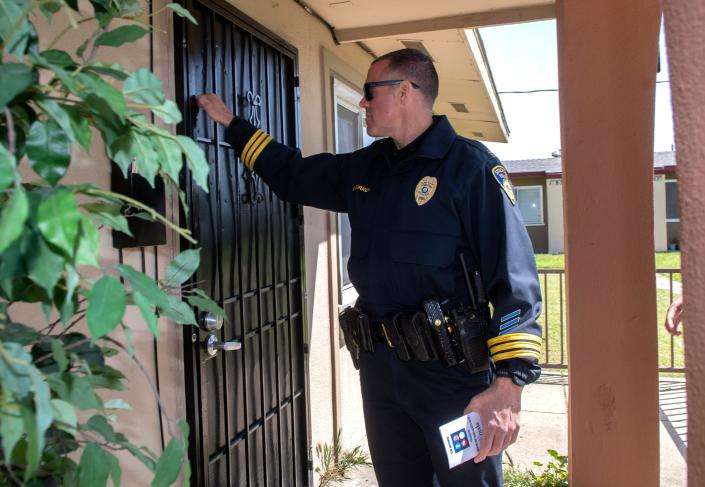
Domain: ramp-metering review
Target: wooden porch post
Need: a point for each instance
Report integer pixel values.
(685, 38)
(607, 56)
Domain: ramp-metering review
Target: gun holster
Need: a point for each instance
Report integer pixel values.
(355, 325)
(471, 328)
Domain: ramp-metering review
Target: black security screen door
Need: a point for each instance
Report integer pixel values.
(247, 403)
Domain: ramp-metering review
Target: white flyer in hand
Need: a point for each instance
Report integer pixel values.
(461, 438)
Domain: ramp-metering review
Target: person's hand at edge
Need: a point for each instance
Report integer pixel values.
(499, 407)
(215, 108)
(674, 315)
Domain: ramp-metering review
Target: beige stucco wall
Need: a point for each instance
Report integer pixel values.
(554, 214)
(685, 38)
(660, 242)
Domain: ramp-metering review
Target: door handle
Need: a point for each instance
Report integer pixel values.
(213, 345)
(210, 322)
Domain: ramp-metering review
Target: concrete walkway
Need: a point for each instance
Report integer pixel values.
(545, 426)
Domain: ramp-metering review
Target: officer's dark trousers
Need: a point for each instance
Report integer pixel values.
(404, 404)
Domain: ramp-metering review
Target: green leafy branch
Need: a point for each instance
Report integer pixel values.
(51, 237)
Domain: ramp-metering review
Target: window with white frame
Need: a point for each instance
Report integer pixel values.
(672, 212)
(530, 203)
(350, 135)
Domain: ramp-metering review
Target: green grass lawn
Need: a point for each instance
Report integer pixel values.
(554, 312)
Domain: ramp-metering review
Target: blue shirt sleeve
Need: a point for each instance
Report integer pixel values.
(317, 181)
(505, 258)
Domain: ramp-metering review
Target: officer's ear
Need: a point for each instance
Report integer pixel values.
(404, 91)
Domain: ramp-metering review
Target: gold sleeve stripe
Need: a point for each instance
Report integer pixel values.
(249, 144)
(508, 346)
(510, 337)
(247, 156)
(520, 354)
(258, 151)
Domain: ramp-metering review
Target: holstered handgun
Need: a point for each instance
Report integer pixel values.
(349, 320)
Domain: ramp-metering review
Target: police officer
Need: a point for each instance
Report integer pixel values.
(417, 199)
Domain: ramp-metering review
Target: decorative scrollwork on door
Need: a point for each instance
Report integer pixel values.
(252, 194)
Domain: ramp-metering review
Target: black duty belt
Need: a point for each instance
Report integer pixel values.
(419, 336)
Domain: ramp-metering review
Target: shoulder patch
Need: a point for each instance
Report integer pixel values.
(502, 178)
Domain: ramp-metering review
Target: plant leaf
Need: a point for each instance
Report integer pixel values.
(82, 395)
(64, 413)
(45, 267)
(169, 464)
(182, 267)
(79, 125)
(121, 35)
(144, 87)
(11, 426)
(196, 161)
(182, 12)
(11, 12)
(113, 70)
(14, 363)
(57, 57)
(122, 151)
(49, 150)
(179, 311)
(168, 111)
(43, 418)
(97, 93)
(147, 162)
(14, 79)
(13, 217)
(205, 303)
(147, 312)
(169, 154)
(115, 222)
(68, 306)
(58, 219)
(88, 243)
(95, 466)
(8, 165)
(116, 404)
(59, 354)
(106, 306)
(145, 285)
(57, 114)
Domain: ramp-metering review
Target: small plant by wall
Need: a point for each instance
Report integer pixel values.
(553, 474)
(336, 463)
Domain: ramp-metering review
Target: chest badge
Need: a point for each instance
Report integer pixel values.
(425, 190)
(500, 174)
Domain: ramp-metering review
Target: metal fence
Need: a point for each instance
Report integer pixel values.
(553, 320)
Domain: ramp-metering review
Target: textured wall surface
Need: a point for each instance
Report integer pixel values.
(685, 39)
(607, 52)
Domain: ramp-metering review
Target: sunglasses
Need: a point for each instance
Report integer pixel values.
(370, 94)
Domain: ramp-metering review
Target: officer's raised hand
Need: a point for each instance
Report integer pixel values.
(499, 407)
(215, 108)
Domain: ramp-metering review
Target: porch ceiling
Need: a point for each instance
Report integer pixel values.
(440, 28)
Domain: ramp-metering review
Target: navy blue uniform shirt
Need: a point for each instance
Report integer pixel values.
(412, 212)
